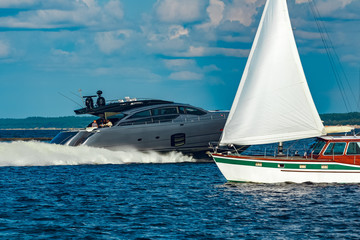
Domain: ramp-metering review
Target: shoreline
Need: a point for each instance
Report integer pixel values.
(70, 129)
(42, 129)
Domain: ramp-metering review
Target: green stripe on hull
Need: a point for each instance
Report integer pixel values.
(287, 165)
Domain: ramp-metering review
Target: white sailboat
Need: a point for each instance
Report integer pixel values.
(273, 104)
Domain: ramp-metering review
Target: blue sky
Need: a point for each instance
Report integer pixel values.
(190, 51)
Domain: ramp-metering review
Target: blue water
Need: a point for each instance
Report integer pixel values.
(43, 197)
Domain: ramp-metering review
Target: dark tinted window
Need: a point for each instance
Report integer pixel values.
(335, 148)
(194, 111)
(141, 114)
(164, 111)
(117, 116)
(181, 110)
(353, 149)
(318, 147)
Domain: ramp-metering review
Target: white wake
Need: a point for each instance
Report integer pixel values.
(45, 154)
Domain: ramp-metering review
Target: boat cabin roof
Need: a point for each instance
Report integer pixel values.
(120, 106)
(340, 138)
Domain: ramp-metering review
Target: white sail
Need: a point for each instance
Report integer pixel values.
(273, 102)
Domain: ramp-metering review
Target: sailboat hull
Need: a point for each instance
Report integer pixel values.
(253, 169)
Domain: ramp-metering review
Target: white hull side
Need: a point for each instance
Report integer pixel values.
(243, 173)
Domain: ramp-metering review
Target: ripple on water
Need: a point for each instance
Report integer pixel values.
(168, 201)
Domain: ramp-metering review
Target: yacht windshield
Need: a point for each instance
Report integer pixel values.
(116, 118)
(194, 111)
(353, 149)
(336, 148)
(318, 147)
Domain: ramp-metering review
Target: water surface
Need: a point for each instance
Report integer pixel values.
(60, 192)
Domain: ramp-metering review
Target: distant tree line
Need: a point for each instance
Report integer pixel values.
(46, 122)
(352, 118)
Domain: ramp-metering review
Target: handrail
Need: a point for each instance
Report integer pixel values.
(181, 120)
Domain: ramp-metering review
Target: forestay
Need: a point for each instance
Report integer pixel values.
(273, 102)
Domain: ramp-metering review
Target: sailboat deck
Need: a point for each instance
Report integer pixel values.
(291, 159)
(276, 158)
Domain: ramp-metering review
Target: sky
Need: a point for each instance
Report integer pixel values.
(188, 51)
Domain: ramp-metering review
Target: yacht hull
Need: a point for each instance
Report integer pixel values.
(159, 137)
(187, 137)
(277, 170)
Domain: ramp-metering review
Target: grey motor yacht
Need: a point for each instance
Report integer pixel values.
(146, 124)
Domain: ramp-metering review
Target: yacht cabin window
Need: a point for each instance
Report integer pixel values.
(194, 111)
(164, 111)
(353, 148)
(336, 148)
(181, 110)
(146, 113)
(318, 147)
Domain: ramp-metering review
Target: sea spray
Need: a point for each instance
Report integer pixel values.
(45, 154)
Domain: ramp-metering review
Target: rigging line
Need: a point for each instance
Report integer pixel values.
(331, 60)
(82, 99)
(76, 95)
(339, 63)
(332, 55)
(340, 66)
(358, 104)
(69, 99)
(321, 29)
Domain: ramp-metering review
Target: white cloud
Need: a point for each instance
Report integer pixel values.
(179, 10)
(176, 31)
(16, 3)
(61, 58)
(211, 68)
(230, 52)
(242, 11)
(194, 52)
(212, 51)
(328, 7)
(307, 35)
(67, 14)
(90, 3)
(40, 4)
(60, 52)
(185, 76)
(215, 12)
(109, 42)
(301, 1)
(177, 64)
(114, 9)
(188, 69)
(352, 59)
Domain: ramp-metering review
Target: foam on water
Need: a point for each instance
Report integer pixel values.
(45, 154)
